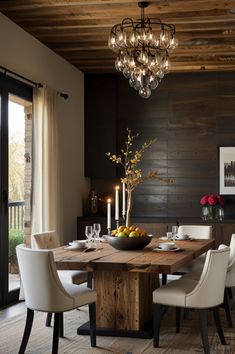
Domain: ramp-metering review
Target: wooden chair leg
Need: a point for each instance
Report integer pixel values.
(203, 330)
(48, 320)
(89, 280)
(227, 308)
(231, 297)
(27, 330)
(61, 325)
(230, 293)
(157, 314)
(177, 317)
(164, 279)
(218, 325)
(55, 342)
(230, 290)
(186, 314)
(92, 316)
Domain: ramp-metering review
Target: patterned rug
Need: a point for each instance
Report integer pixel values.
(188, 341)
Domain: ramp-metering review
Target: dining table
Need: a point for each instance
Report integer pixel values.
(124, 281)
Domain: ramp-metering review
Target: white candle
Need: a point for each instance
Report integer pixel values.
(123, 198)
(117, 203)
(109, 214)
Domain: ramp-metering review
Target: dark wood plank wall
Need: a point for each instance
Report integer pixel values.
(189, 114)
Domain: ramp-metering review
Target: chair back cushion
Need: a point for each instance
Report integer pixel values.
(42, 287)
(44, 240)
(209, 291)
(196, 231)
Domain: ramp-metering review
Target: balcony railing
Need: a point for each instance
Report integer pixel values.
(16, 215)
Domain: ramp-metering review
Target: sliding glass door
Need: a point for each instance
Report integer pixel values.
(15, 179)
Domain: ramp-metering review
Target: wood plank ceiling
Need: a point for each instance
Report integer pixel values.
(79, 30)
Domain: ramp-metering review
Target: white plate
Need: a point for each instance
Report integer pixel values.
(164, 238)
(158, 249)
(74, 247)
(79, 243)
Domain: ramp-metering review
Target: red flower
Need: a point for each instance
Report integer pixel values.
(204, 200)
(212, 199)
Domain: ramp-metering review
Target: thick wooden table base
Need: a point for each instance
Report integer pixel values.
(125, 299)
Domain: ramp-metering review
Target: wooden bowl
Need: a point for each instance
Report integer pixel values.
(128, 243)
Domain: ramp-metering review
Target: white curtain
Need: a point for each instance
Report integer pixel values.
(46, 213)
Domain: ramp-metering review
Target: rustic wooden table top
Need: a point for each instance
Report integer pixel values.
(145, 260)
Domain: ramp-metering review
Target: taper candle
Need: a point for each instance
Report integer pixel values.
(117, 203)
(109, 214)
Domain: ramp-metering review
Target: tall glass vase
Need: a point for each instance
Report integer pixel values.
(129, 207)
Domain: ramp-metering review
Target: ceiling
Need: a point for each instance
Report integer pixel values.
(79, 30)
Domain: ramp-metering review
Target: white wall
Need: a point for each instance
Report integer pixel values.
(22, 53)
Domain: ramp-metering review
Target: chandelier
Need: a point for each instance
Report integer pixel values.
(143, 48)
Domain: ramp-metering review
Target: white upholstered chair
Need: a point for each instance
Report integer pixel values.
(44, 291)
(207, 292)
(230, 278)
(49, 240)
(197, 232)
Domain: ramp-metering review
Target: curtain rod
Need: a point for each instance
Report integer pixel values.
(37, 84)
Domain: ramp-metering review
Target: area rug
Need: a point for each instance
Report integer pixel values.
(188, 341)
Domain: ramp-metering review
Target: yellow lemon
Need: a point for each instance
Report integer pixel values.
(121, 228)
(132, 228)
(126, 230)
(121, 234)
(133, 234)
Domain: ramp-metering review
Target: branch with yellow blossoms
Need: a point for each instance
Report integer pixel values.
(133, 175)
(129, 160)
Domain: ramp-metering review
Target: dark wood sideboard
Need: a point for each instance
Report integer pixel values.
(222, 231)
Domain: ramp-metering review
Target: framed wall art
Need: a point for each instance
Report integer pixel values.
(227, 170)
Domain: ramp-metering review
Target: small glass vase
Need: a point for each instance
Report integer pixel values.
(219, 213)
(207, 213)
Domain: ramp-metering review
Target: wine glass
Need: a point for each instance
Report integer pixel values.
(97, 229)
(89, 234)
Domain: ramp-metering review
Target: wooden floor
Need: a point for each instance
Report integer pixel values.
(188, 341)
(11, 311)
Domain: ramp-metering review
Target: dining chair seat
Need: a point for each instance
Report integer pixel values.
(205, 293)
(44, 291)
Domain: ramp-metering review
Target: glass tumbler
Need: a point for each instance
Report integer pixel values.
(174, 231)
